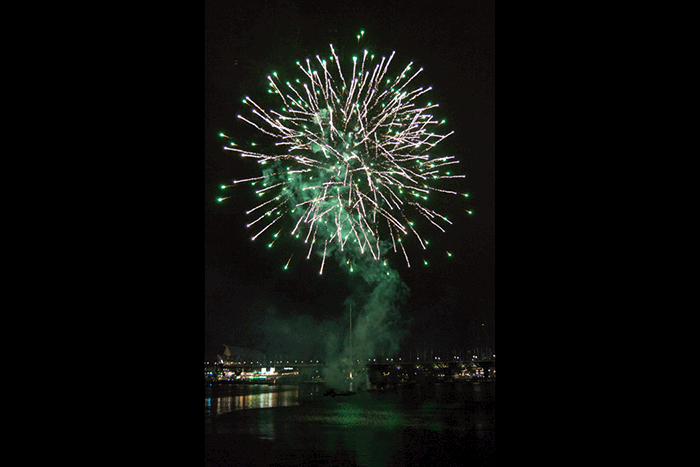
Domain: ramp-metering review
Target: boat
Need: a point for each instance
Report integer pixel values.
(331, 393)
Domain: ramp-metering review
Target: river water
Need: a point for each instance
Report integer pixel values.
(295, 425)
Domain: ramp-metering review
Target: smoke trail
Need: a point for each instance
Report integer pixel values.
(377, 326)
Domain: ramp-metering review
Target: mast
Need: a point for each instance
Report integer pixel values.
(351, 353)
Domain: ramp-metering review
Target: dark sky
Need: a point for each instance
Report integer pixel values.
(246, 289)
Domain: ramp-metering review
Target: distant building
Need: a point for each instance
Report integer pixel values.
(240, 354)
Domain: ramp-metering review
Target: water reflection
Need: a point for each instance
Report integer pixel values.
(421, 425)
(219, 400)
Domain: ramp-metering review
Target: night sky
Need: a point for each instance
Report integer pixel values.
(250, 301)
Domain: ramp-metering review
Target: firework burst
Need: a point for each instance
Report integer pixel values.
(352, 163)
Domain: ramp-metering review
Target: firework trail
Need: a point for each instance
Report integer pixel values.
(352, 164)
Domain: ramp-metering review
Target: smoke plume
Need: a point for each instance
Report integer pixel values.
(377, 326)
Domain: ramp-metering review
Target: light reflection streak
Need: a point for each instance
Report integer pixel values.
(215, 406)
